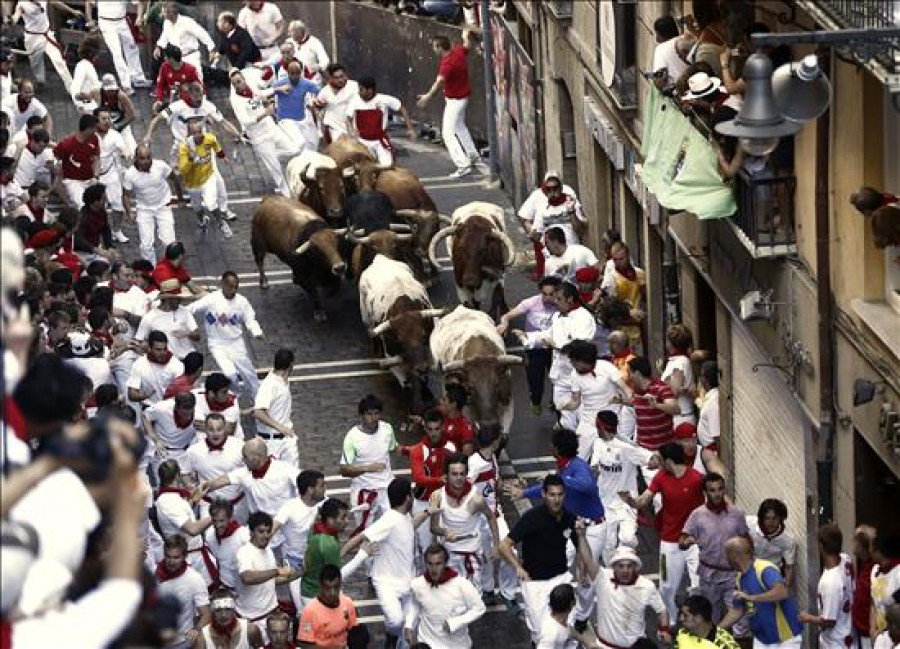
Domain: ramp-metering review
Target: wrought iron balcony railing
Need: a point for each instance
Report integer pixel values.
(765, 215)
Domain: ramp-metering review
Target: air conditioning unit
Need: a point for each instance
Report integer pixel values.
(757, 306)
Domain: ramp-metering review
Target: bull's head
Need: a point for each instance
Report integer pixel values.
(382, 241)
(324, 242)
(426, 224)
(326, 182)
(488, 383)
(470, 266)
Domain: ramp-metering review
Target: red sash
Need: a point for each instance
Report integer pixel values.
(369, 125)
(368, 497)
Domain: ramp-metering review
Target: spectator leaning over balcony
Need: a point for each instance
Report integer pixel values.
(711, 37)
(670, 53)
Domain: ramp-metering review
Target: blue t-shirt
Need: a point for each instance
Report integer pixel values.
(292, 105)
(582, 497)
(770, 622)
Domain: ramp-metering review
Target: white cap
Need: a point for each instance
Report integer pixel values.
(108, 82)
(624, 553)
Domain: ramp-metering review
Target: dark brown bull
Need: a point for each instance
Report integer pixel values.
(301, 239)
(347, 152)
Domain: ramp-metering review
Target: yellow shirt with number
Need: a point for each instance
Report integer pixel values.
(195, 161)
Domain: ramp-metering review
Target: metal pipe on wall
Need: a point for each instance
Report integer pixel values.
(487, 43)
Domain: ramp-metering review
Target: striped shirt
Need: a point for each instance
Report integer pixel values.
(654, 427)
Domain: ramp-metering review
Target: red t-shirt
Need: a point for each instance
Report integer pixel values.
(455, 70)
(168, 77)
(77, 157)
(654, 427)
(680, 497)
(165, 270)
(427, 468)
(459, 431)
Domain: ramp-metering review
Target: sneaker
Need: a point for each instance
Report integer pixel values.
(481, 167)
(459, 173)
(226, 230)
(229, 215)
(489, 598)
(202, 220)
(119, 237)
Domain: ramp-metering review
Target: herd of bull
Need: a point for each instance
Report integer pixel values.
(348, 216)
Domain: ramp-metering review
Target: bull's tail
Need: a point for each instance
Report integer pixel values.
(259, 256)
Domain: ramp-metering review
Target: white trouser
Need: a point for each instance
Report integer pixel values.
(125, 54)
(627, 424)
(456, 134)
(130, 142)
(585, 596)
(384, 155)
(302, 136)
(509, 580)
(587, 435)
(37, 45)
(672, 562)
(121, 370)
(268, 149)
(75, 190)
(794, 643)
(159, 219)
(234, 362)
(467, 564)
(194, 59)
(284, 449)
(113, 189)
(536, 596)
(620, 529)
(423, 533)
(395, 600)
(562, 394)
(85, 107)
(211, 195)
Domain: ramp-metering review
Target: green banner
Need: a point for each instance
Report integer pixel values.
(680, 166)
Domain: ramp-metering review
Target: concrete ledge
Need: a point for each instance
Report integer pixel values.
(882, 320)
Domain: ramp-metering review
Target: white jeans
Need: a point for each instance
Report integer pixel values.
(587, 435)
(125, 54)
(536, 596)
(672, 562)
(794, 643)
(302, 132)
(211, 195)
(456, 134)
(585, 595)
(113, 190)
(562, 394)
(423, 533)
(395, 601)
(268, 149)
(509, 580)
(284, 449)
(159, 219)
(620, 529)
(37, 46)
(234, 362)
(194, 59)
(384, 155)
(75, 190)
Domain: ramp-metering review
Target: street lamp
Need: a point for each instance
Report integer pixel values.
(802, 92)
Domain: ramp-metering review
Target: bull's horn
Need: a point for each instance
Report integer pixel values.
(352, 238)
(431, 313)
(306, 245)
(400, 227)
(414, 215)
(454, 366)
(510, 359)
(380, 329)
(390, 361)
(406, 236)
(443, 218)
(432, 246)
(358, 232)
(340, 231)
(348, 172)
(508, 245)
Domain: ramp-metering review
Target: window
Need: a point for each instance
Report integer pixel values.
(617, 51)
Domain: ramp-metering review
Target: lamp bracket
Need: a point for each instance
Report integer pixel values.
(787, 370)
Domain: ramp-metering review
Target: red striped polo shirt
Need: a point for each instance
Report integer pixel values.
(654, 427)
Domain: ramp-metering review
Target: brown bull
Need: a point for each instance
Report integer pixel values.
(301, 239)
(347, 152)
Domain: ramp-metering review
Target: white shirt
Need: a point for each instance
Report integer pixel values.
(225, 320)
(209, 464)
(578, 324)
(542, 215)
(84, 80)
(187, 34)
(154, 378)
(708, 423)
(683, 364)
(6, 85)
(35, 15)
(296, 519)
(18, 120)
(262, 24)
(269, 493)
(335, 113)
(555, 635)
(312, 54)
(113, 152)
(383, 103)
(772, 549)
(162, 415)
(574, 258)
(249, 110)
(597, 391)
(274, 395)
(835, 594)
(456, 601)
(487, 470)
(172, 512)
(666, 56)
(190, 590)
(621, 609)
(883, 641)
(151, 188)
(170, 323)
(32, 167)
(396, 539)
(259, 599)
(225, 552)
(617, 463)
(95, 368)
(179, 113)
(367, 448)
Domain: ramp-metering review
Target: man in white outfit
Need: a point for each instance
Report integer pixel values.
(453, 77)
(333, 100)
(215, 454)
(40, 39)
(369, 112)
(295, 519)
(272, 409)
(443, 605)
(114, 157)
(254, 109)
(185, 33)
(226, 315)
(148, 182)
(310, 51)
(265, 24)
(120, 41)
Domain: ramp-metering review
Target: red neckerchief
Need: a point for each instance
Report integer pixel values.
(184, 493)
(218, 407)
(111, 97)
(231, 528)
(261, 471)
(188, 102)
(717, 509)
(105, 336)
(628, 273)
(5, 634)
(215, 447)
(246, 93)
(164, 574)
(616, 582)
(426, 442)
(888, 199)
(556, 201)
(37, 212)
(226, 629)
(303, 42)
(447, 575)
(182, 422)
(22, 106)
(562, 463)
(462, 493)
(320, 527)
(164, 362)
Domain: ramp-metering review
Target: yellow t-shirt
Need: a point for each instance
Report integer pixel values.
(195, 161)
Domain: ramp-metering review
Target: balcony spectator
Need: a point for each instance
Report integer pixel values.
(711, 35)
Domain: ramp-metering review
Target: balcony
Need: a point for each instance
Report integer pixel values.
(764, 220)
(562, 10)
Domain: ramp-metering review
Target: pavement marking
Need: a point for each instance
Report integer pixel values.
(531, 460)
(497, 608)
(278, 272)
(457, 185)
(336, 375)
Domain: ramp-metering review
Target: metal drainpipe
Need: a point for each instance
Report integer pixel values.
(825, 459)
(487, 43)
(672, 294)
